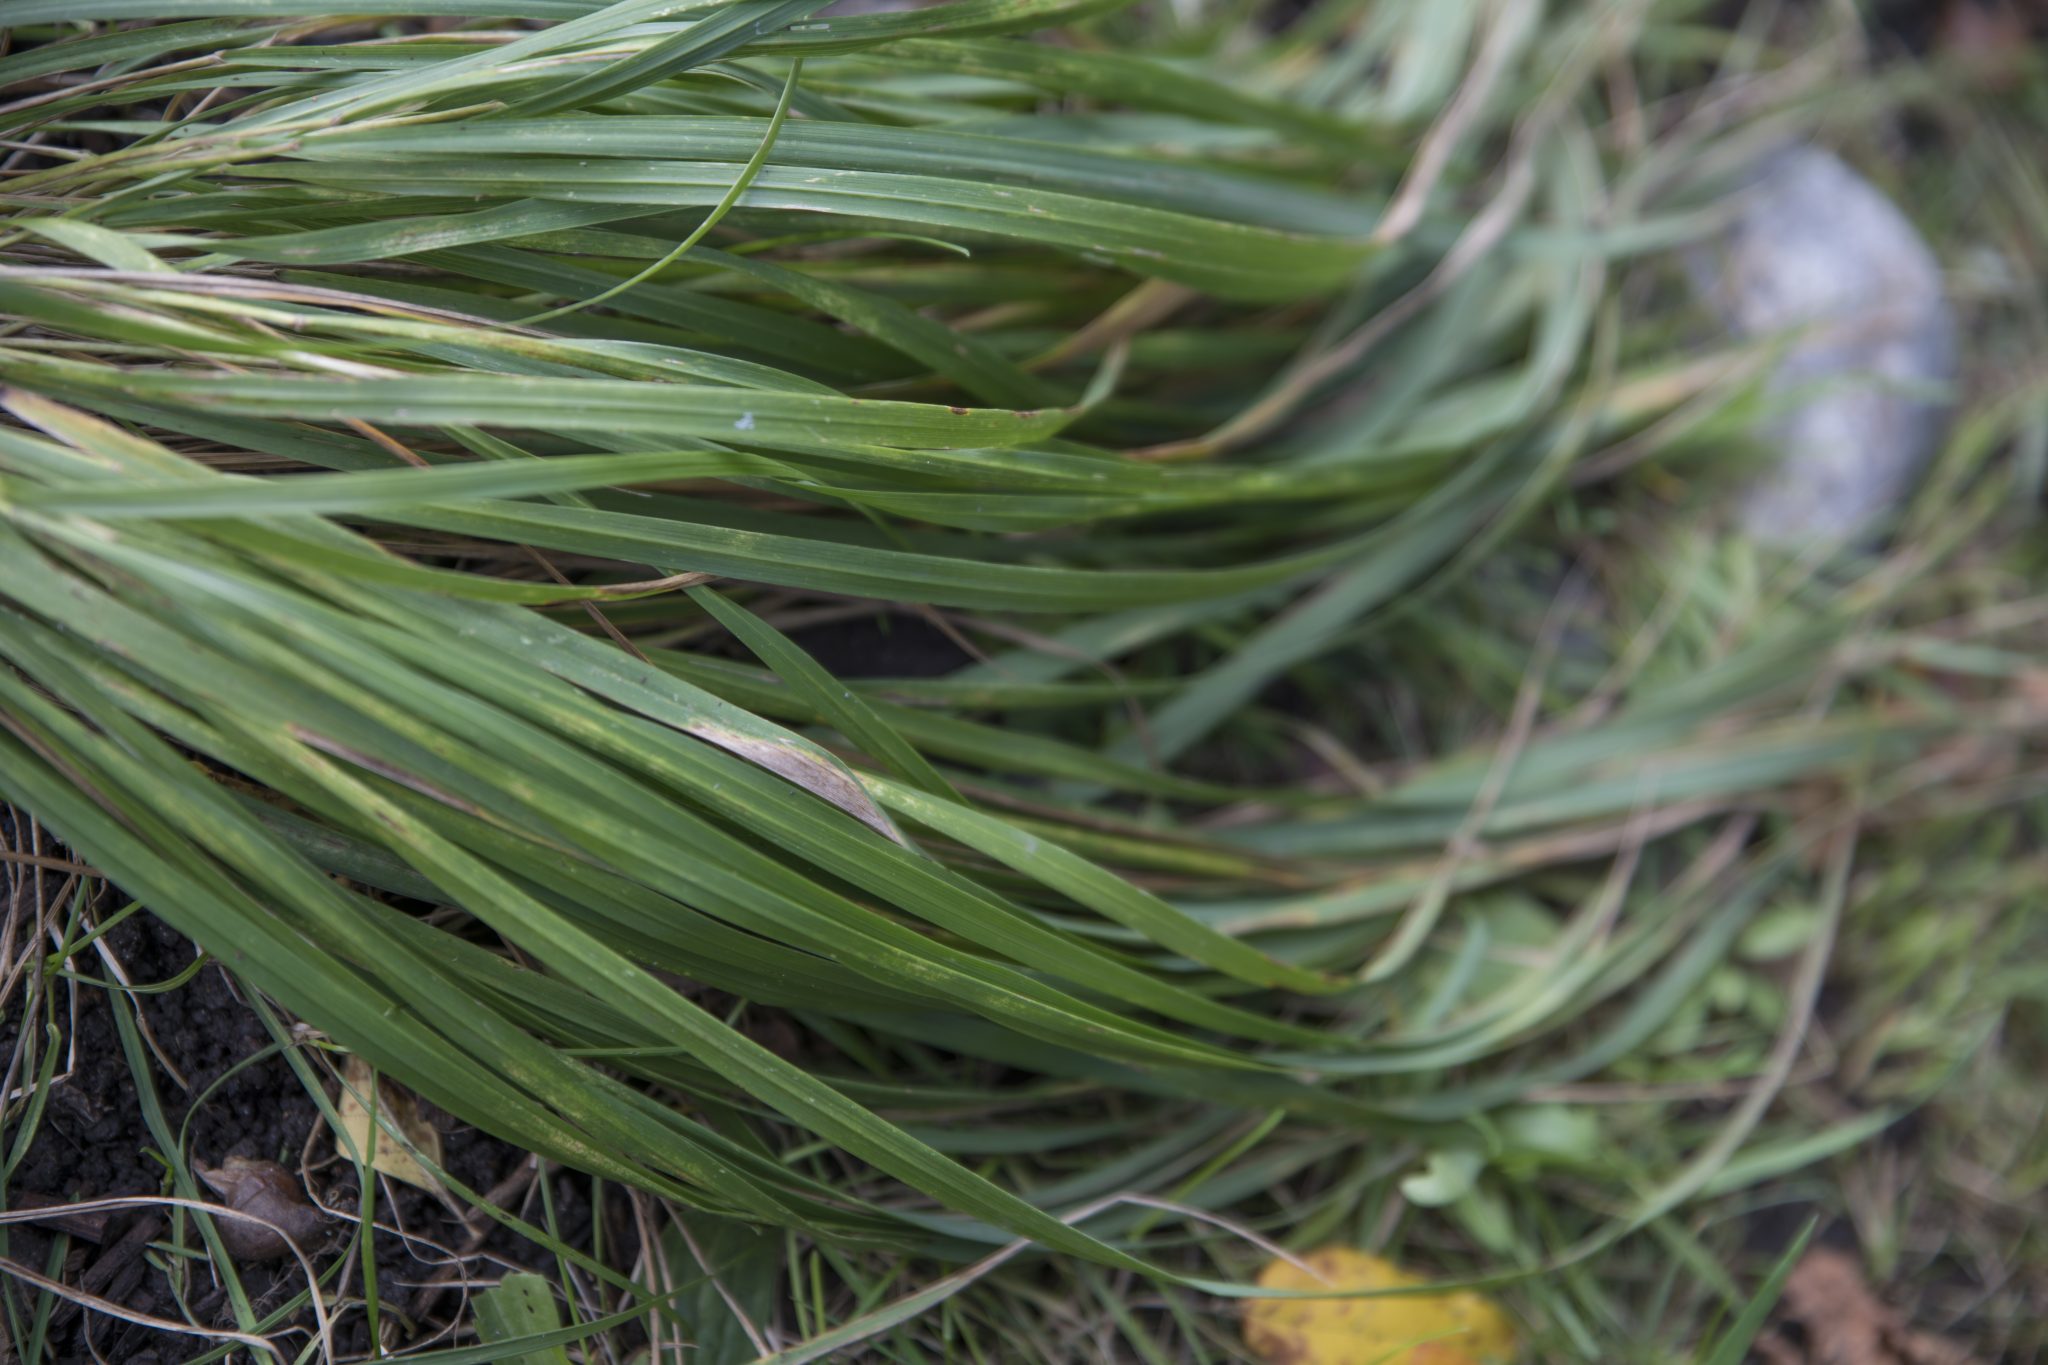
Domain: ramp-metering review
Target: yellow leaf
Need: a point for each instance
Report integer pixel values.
(400, 1111)
(1458, 1328)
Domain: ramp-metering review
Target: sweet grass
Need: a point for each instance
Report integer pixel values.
(406, 552)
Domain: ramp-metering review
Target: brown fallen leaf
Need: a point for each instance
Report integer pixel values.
(1987, 37)
(265, 1190)
(1847, 1324)
(2032, 686)
(400, 1111)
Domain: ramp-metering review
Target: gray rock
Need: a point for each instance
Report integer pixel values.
(1819, 254)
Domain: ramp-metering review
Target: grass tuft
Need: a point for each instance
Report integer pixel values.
(1336, 798)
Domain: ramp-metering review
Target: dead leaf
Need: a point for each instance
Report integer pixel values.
(2032, 686)
(400, 1111)
(1846, 1324)
(1989, 38)
(1457, 1328)
(265, 1190)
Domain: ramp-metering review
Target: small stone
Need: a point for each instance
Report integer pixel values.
(1820, 255)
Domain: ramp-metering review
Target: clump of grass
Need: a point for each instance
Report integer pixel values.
(431, 443)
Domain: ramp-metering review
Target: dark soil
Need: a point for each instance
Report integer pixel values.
(92, 1142)
(885, 645)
